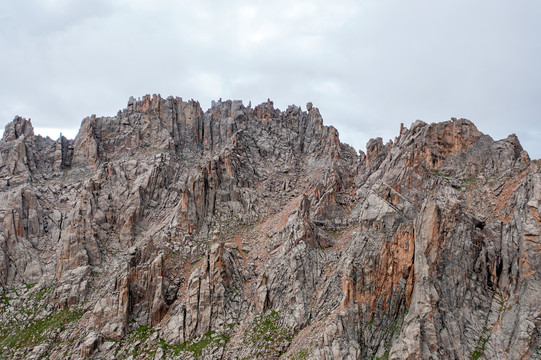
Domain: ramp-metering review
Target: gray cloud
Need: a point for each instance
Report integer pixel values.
(367, 65)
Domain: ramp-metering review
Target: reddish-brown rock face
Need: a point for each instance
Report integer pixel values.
(237, 232)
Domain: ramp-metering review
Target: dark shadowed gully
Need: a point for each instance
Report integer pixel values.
(168, 232)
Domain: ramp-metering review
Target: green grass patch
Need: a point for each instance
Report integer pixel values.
(39, 295)
(7, 299)
(302, 354)
(480, 348)
(29, 286)
(267, 334)
(140, 335)
(439, 173)
(384, 356)
(34, 332)
(198, 344)
(143, 332)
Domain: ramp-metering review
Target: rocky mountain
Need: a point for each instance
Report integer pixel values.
(169, 232)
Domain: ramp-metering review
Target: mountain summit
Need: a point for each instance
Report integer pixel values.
(169, 232)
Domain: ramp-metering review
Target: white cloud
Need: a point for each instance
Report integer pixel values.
(367, 65)
(54, 133)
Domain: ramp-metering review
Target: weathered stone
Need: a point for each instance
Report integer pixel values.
(256, 232)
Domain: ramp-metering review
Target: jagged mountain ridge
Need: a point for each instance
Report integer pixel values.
(240, 232)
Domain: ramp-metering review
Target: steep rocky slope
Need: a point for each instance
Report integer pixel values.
(236, 233)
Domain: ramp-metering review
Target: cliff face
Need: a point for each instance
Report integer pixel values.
(239, 232)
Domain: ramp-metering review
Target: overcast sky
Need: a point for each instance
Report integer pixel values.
(367, 65)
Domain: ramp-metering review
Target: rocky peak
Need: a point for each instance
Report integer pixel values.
(167, 231)
(17, 128)
(173, 124)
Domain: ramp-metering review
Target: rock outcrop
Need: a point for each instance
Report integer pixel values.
(170, 232)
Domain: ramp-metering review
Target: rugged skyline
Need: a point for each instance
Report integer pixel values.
(169, 231)
(368, 66)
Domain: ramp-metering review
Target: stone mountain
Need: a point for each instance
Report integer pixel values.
(169, 232)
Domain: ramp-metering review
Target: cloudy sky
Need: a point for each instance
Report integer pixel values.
(368, 65)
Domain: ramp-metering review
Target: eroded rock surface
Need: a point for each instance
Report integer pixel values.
(170, 232)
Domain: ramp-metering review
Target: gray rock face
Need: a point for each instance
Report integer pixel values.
(169, 232)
